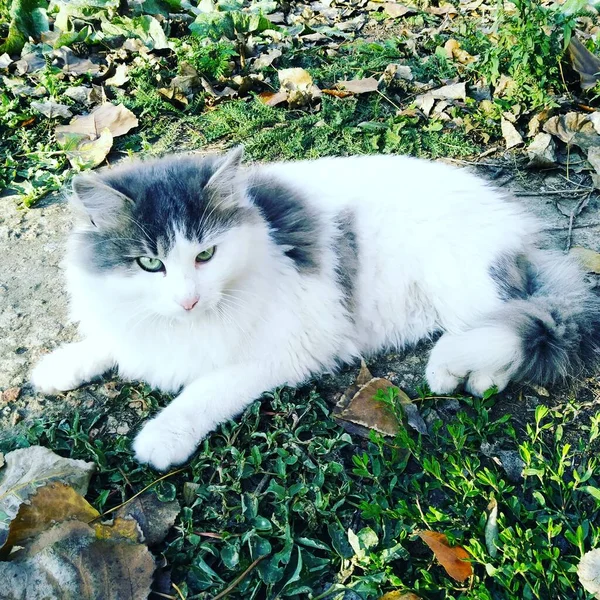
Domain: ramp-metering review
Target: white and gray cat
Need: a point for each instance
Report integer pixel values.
(219, 281)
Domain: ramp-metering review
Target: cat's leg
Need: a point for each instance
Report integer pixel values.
(173, 435)
(480, 358)
(70, 366)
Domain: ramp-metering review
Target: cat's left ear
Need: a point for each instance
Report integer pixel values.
(227, 182)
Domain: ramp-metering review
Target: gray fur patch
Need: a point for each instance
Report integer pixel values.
(514, 277)
(158, 197)
(346, 250)
(555, 314)
(294, 224)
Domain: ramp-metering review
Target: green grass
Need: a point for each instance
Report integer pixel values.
(286, 483)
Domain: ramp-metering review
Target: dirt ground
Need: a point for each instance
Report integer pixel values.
(33, 317)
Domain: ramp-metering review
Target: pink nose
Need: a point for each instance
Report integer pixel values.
(189, 303)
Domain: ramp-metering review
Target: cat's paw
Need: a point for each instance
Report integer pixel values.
(163, 443)
(57, 372)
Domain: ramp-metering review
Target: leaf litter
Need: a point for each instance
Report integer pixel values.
(54, 543)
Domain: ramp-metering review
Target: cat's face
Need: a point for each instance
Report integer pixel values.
(172, 237)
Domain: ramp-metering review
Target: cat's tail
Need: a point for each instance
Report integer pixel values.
(547, 330)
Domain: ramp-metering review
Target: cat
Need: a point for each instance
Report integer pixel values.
(218, 281)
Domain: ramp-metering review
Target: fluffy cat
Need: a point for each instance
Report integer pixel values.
(219, 281)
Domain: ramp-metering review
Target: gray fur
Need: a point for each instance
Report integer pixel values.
(346, 249)
(294, 224)
(135, 209)
(554, 312)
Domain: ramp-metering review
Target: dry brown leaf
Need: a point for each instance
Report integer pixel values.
(359, 412)
(86, 153)
(455, 52)
(116, 118)
(337, 93)
(400, 596)
(120, 77)
(298, 86)
(511, 136)
(154, 517)
(542, 151)
(126, 528)
(454, 559)
(454, 91)
(359, 86)
(52, 109)
(585, 63)
(11, 394)
(575, 128)
(491, 528)
(69, 561)
(587, 258)
(53, 503)
(272, 98)
(266, 60)
(31, 468)
(393, 10)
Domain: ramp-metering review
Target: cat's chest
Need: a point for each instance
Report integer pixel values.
(172, 356)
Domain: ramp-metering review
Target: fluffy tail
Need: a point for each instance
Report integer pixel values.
(554, 314)
(548, 329)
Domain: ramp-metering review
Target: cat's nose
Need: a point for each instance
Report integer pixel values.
(189, 303)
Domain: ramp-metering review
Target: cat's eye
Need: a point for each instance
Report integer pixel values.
(206, 255)
(150, 264)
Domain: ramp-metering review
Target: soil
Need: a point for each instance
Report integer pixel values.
(33, 318)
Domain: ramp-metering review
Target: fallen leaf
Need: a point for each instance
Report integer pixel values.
(126, 528)
(414, 418)
(71, 64)
(273, 98)
(359, 86)
(266, 60)
(425, 103)
(491, 528)
(511, 136)
(120, 77)
(391, 9)
(53, 503)
(542, 151)
(587, 258)
(86, 95)
(154, 517)
(588, 572)
(454, 559)
(69, 561)
(85, 153)
(593, 157)
(358, 410)
(32, 62)
(586, 64)
(52, 110)
(397, 72)
(455, 52)
(28, 469)
(337, 93)
(400, 596)
(5, 61)
(575, 129)
(11, 394)
(454, 91)
(116, 118)
(298, 86)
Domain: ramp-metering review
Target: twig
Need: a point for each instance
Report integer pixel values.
(237, 581)
(555, 192)
(140, 492)
(389, 100)
(178, 591)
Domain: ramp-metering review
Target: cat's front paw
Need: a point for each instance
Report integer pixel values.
(56, 372)
(163, 443)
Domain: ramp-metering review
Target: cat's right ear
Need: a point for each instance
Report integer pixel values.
(100, 202)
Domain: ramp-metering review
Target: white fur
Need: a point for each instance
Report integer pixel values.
(427, 235)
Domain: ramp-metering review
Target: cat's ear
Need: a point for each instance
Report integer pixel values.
(227, 182)
(100, 202)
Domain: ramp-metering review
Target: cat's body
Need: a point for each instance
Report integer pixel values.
(316, 263)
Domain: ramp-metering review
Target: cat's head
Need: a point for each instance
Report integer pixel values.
(172, 235)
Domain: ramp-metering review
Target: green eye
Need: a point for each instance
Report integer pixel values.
(206, 255)
(150, 264)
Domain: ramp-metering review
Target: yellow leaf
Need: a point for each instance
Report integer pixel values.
(127, 528)
(53, 503)
(400, 596)
(454, 559)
